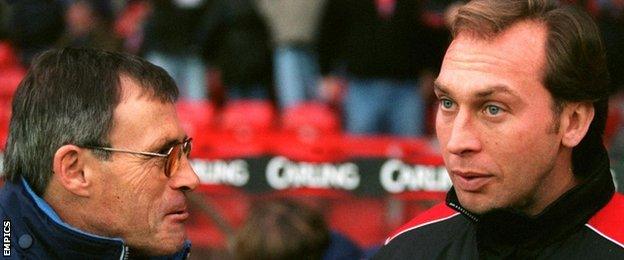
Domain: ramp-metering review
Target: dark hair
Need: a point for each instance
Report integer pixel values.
(282, 229)
(68, 97)
(575, 69)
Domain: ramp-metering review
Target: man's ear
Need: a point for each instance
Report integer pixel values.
(577, 117)
(68, 167)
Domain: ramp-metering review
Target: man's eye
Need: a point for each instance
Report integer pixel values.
(493, 110)
(447, 104)
(164, 150)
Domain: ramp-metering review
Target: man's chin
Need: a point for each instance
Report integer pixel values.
(165, 246)
(475, 203)
(157, 250)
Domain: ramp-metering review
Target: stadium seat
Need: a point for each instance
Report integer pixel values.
(196, 117)
(5, 117)
(8, 59)
(244, 129)
(311, 119)
(248, 117)
(11, 77)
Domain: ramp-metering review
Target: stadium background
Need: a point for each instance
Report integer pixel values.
(249, 150)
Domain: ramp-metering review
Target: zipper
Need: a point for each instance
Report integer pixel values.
(463, 211)
(125, 252)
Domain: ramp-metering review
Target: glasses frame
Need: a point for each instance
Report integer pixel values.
(185, 143)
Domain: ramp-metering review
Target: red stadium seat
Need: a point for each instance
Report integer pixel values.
(244, 129)
(248, 117)
(372, 146)
(8, 59)
(5, 118)
(311, 119)
(10, 79)
(196, 117)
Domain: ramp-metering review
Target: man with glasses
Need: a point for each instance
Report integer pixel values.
(96, 162)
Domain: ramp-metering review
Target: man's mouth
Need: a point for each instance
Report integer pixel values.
(179, 215)
(471, 181)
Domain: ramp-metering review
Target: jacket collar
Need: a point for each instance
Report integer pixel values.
(508, 227)
(45, 220)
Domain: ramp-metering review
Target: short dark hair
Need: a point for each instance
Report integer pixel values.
(282, 229)
(575, 69)
(68, 97)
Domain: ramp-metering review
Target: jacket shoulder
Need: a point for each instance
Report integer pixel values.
(608, 221)
(436, 214)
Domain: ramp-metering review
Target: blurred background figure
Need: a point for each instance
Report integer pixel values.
(284, 229)
(294, 25)
(4, 21)
(611, 22)
(170, 42)
(382, 47)
(89, 24)
(35, 26)
(235, 39)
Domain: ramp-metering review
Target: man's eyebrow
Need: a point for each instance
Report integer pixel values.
(491, 90)
(488, 91)
(165, 143)
(439, 87)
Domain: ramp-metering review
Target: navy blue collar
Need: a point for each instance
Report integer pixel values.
(55, 231)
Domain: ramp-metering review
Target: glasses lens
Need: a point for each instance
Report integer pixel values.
(172, 160)
(176, 154)
(187, 147)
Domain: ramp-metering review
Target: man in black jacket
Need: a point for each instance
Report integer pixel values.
(523, 99)
(96, 161)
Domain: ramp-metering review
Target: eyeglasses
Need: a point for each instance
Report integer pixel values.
(173, 154)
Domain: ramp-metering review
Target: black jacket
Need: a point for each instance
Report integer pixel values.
(587, 222)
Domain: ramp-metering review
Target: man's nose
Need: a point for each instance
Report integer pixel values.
(464, 137)
(184, 178)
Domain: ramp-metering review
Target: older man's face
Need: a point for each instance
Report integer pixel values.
(136, 201)
(495, 121)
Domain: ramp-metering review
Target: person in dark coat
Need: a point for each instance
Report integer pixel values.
(523, 94)
(96, 163)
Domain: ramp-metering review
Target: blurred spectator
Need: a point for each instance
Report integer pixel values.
(235, 39)
(4, 29)
(130, 23)
(287, 230)
(88, 24)
(611, 23)
(35, 26)
(293, 25)
(169, 41)
(383, 47)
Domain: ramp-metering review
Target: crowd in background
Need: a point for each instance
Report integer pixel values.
(283, 51)
(372, 61)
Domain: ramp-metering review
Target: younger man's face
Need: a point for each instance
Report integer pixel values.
(495, 121)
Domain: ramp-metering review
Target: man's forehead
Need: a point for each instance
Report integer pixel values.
(142, 119)
(505, 64)
(130, 88)
(523, 41)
